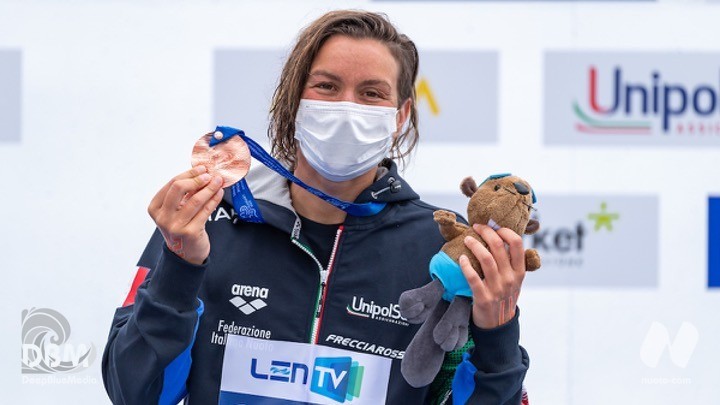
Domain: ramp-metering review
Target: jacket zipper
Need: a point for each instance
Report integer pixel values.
(324, 275)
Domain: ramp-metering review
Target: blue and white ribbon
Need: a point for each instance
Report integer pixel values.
(243, 201)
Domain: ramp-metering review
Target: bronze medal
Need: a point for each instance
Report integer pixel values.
(229, 159)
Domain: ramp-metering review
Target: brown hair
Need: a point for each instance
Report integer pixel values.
(354, 24)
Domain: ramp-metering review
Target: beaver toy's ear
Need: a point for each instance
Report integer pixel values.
(468, 186)
(532, 227)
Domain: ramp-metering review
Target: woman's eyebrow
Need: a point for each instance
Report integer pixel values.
(376, 82)
(326, 74)
(368, 82)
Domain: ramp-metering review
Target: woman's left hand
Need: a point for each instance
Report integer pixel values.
(495, 296)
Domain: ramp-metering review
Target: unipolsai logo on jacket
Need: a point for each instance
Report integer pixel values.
(369, 309)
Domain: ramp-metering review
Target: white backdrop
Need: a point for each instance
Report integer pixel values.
(115, 94)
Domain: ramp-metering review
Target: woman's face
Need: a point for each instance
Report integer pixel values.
(362, 71)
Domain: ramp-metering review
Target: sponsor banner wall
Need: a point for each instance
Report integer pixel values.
(10, 94)
(632, 98)
(245, 79)
(605, 241)
(522, 0)
(107, 99)
(445, 79)
(243, 85)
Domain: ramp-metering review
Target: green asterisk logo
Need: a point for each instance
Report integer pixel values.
(603, 218)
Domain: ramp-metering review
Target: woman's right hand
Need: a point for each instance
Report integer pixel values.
(181, 208)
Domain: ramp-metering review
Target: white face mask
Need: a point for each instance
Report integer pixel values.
(342, 140)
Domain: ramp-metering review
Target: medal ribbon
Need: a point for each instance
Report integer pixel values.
(243, 201)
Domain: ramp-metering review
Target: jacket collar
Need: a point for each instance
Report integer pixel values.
(389, 187)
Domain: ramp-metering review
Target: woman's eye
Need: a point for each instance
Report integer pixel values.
(374, 95)
(324, 86)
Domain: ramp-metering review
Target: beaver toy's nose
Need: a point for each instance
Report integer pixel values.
(521, 188)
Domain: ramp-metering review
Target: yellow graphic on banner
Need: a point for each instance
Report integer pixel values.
(423, 91)
(603, 218)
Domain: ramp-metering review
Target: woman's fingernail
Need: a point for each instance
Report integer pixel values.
(468, 239)
(463, 258)
(217, 180)
(204, 177)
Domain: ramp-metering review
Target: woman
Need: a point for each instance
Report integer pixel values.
(306, 275)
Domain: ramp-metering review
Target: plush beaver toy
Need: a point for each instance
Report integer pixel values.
(444, 304)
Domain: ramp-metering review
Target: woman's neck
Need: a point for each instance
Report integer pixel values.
(317, 209)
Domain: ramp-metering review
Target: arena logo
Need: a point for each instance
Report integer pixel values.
(248, 307)
(10, 95)
(632, 98)
(386, 313)
(714, 242)
(45, 344)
